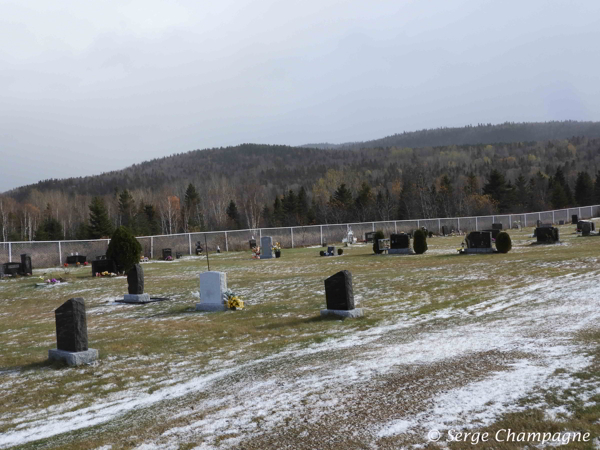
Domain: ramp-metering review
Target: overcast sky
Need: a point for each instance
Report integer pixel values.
(87, 87)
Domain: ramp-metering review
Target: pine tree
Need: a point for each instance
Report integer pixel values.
(233, 214)
(584, 189)
(191, 218)
(100, 225)
(126, 208)
(302, 207)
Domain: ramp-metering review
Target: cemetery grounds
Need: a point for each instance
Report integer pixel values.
(473, 342)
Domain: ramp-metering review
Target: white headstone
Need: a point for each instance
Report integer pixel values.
(213, 286)
(266, 247)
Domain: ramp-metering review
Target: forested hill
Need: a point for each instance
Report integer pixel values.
(508, 132)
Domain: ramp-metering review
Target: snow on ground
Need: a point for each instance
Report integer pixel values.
(531, 327)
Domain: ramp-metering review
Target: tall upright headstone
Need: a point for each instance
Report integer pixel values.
(266, 247)
(574, 219)
(339, 296)
(135, 286)
(26, 267)
(71, 334)
(213, 288)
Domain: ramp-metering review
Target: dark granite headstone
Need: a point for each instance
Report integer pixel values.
(103, 265)
(330, 250)
(574, 219)
(369, 236)
(71, 326)
(178, 255)
(400, 240)
(586, 227)
(166, 252)
(444, 231)
(496, 226)
(11, 268)
(74, 259)
(479, 239)
(199, 248)
(547, 235)
(561, 222)
(338, 291)
(252, 243)
(135, 280)
(26, 268)
(538, 223)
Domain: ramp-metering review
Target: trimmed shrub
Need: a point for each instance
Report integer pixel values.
(340, 251)
(503, 242)
(419, 242)
(124, 249)
(378, 235)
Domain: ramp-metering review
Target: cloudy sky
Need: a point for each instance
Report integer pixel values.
(87, 87)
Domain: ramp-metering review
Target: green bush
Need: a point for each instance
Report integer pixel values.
(503, 242)
(419, 242)
(124, 249)
(378, 235)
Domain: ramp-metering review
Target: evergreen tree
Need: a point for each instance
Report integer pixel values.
(190, 208)
(584, 189)
(558, 196)
(496, 186)
(597, 188)
(289, 204)
(126, 208)
(100, 225)
(363, 204)
(302, 207)
(233, 214)
(278, 216)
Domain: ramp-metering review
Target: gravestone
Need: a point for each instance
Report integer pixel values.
(399, 244)
(496, 226)
(178, 255)
(199, 248)
(339, 296)
(369, 236)
(166, 252)
(103, 265)
(444, 231)
(574, 219)
(11, 268)
(266, 247)
(561, 222)
(135, 286)
(213, 286)
(252, 243)
(547, 235)
(538, 223)
(26, 268)
(74, 259)
(479, 242)
(587, 226)
(71, 334)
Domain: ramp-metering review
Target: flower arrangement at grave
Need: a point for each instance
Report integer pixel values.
(233, 300)
(106, 274)
(256, 252)
(276, 247)
(169, 258)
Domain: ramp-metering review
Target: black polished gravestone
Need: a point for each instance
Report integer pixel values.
(400, 240)
(338, 291)
(26, 268)
(74, 259)
(71, 326)
(369, 236)
(166, 252)
(495, 232)
(103, 265)
(252, 243)
(135, 280)
(479, 239)
(574, 219)
(444, 230)
(11, 268)
(199, 249)
(496, 226)
(586, 227)
(546, 235)
(339, 296)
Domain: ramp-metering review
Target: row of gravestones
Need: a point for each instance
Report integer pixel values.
(18, 268)
(71, 322)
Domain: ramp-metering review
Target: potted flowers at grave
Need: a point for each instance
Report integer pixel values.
(277, 249)
(233, 300)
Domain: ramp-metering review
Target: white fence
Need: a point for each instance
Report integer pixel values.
(54, 253)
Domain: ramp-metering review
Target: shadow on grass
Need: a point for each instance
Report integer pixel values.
(307, 320)
(34, 366)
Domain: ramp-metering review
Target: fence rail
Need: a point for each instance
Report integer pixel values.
(54, 253)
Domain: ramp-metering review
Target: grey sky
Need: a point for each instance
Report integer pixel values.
(87, 87)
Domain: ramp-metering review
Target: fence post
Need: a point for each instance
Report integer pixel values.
(59, 254)
(151, 247)
(552, 217)
(9, 252)
(510, 222)
(525, 219)
(190, 241)
(226, 244)
(476, 224)
(458, 225)
(259, 234)
(373, 226)
(395, 227)
(579, 216)
(321, 226)
(439, 227)
(418, 224)
(292, 232)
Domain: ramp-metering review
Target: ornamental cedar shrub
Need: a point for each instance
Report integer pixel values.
(503, 242)
(419, 242)
(124, 249)
(378, 235)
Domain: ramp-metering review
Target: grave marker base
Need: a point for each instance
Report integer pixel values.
(73, 358)
(400, 251)
(210, 307)
(351, 313)
(136, 298)
(478, 250)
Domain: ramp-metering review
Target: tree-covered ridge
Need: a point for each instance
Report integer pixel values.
(477, 134)
(252, 186)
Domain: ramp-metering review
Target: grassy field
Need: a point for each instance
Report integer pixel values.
(477, 343)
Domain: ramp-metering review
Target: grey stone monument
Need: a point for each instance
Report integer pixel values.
(339, 296)
(213, 286)
(71, 335)
(135, 286)
(26, 268)
(266, 247)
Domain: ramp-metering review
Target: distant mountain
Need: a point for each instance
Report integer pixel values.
(508, 132)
